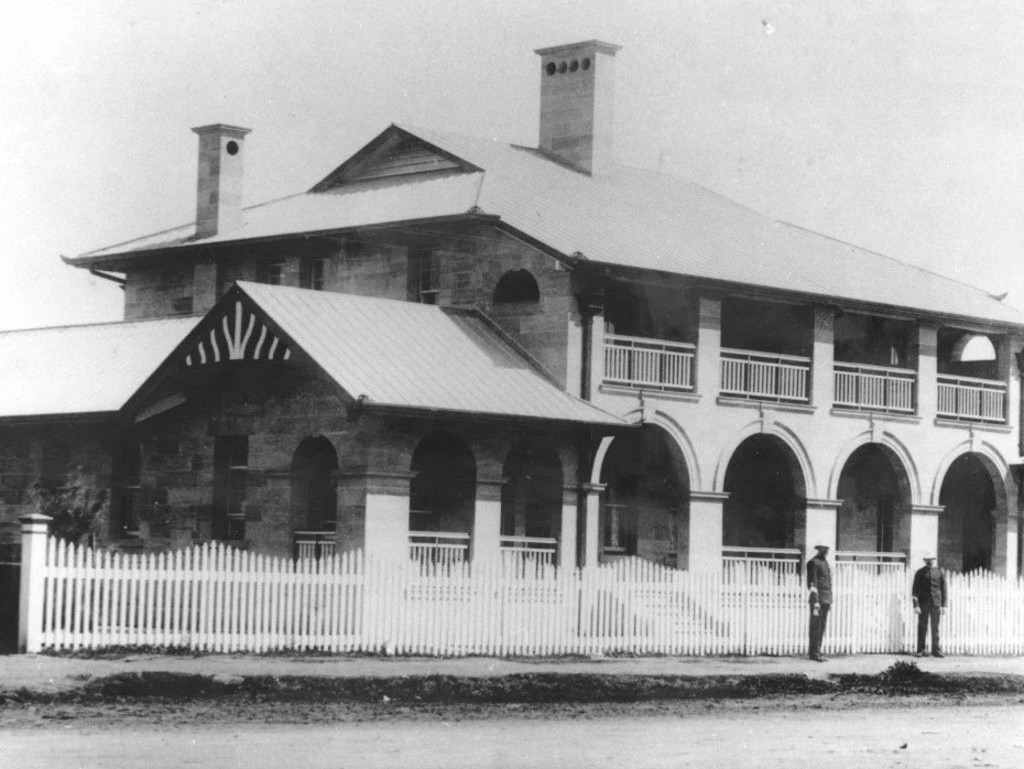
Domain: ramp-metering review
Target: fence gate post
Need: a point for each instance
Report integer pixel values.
(34, 530)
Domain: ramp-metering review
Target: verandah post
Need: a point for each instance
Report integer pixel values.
(34, 530)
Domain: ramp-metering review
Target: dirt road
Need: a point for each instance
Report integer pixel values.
(896, 736)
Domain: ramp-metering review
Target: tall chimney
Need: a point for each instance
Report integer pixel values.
(219, 188)
(577, 84)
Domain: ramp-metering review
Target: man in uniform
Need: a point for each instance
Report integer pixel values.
(819, 582)
(929, 594)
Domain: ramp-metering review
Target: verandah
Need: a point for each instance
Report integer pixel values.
(213, 598)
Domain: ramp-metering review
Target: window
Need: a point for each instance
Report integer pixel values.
(424, 276)
(270, 273)
(311, 272)
(230, 465)
(516, 286)
(127, 521)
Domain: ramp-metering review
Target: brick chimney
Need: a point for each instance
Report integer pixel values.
(219, 188)
(577, 84)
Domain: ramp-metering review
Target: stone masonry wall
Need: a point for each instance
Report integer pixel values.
(62, 450)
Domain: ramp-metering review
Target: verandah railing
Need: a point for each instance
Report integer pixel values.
(217, 599)
(650, 363)
(875, 388)
(751, 374)
(970, 399)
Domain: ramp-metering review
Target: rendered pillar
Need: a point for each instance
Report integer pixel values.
(927, 371)
(924, 534)
(567, 534)
(822, 363)
(485, 541)
(709, 346)
(820, 526)
(591, 524)
(34, 531)
(596, 362)
(705, 531)
(386, 532)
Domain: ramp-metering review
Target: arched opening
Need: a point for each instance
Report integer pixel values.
(516, 286)
(965, 353)
(645, 506)
(531, 503)
(967, 525)
(442, 492)
(766, 495)
(314, 496)
(531, 499)
(875, 491)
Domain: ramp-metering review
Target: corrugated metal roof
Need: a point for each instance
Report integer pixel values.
(410, 355)
(631, 218)
(376, 202)
(81, 369)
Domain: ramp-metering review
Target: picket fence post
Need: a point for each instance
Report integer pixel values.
(34, 529)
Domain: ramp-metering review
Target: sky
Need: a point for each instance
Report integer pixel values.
(895, 126)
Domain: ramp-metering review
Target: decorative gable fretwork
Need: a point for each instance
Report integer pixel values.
(237, 336)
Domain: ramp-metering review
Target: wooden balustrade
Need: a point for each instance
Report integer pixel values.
(648, 363)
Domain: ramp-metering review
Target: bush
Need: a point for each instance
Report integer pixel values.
(902, 674)
(76, 509)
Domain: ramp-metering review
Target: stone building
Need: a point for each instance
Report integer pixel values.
(459, 348)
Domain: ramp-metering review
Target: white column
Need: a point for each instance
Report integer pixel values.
(822, 362)
(596, 352)
(924, 533)
(567, 535)
(591, 524)
(34, 530)
(705, 532)
(820, 525)
(387, 524)
(927, 371)
(485, 540)
(709, 346)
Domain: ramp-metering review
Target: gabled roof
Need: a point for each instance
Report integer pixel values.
(631, 218)
(384, 353)
(78, 370)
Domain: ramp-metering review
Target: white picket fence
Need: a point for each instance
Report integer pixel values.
(213, 598)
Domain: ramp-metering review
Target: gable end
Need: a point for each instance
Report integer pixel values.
(394, 153)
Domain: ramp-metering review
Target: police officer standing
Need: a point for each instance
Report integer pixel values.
(819, 582)
(929, 594)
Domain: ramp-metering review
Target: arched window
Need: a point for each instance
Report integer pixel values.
(516, 286)
(314, 497)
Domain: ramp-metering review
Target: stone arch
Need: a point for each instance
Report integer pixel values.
(767, 493)
(314, 496)
(516, 287)
(442, 491)
(783, 434)
(670, 426)
(973, 490)
(531, 497)
(876, 500)
(998, 468)
(645, 500)
(899, 453)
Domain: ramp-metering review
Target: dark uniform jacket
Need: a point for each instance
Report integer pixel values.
(929, 587)
(819, 575)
